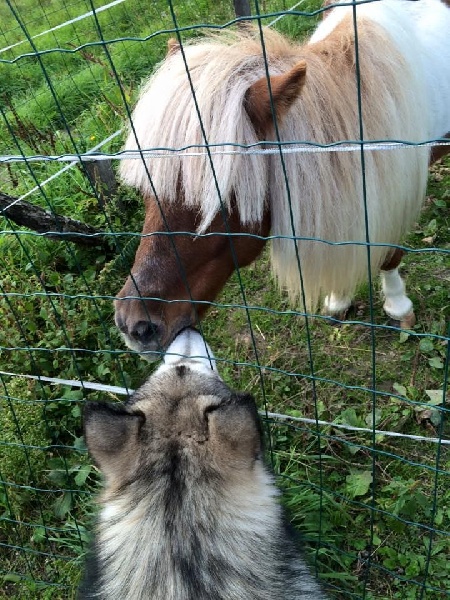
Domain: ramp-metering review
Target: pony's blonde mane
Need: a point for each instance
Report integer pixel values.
(325, 198)
(221, 70)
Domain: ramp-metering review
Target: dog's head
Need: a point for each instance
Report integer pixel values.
(183, 426)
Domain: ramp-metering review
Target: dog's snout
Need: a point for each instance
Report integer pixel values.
(190, 347)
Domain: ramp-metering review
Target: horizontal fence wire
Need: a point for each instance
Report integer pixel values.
(287, 148)
(355, 409)
(113, 389)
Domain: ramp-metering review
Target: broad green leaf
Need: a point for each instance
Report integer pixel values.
(39, 534)
(369, 418)
(426, 345)
(431, 227)
(82, 475)
(400, 389)
(376, 540)
(435, 417)
(404, 335)
(63, 505)
(358, 483)
(436, 362)
(349, 417)
(435, 397)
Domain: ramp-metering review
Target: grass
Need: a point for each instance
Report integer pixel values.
(373, 509)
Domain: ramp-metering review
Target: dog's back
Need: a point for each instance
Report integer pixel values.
(189, 511)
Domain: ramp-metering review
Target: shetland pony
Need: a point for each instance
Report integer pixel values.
(189, 510)
(320, 198)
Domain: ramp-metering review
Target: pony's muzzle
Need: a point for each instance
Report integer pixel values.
(141, 331)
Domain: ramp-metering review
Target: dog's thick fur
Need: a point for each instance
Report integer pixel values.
(189, 510)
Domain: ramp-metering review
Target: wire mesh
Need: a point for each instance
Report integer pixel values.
(355, 410)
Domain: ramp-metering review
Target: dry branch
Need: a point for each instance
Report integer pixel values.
(53, 225)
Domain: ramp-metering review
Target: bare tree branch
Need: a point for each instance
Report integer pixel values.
(55, 226)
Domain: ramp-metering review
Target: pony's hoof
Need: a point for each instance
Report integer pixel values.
(336, 309)
(407, 322)
(339, 318)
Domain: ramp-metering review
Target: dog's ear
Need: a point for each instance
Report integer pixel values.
(111, 435)
(236, 430)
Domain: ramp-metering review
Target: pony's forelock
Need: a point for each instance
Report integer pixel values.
(167, 116)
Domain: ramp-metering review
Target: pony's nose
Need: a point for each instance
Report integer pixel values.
(143, 331)
(141, 327)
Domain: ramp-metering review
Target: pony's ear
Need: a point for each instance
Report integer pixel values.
(111, 435)
(172, 46)
(285, 89)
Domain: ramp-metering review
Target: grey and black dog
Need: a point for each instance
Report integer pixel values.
(189, 510)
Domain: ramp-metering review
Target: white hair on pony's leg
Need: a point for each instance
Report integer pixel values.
(334, 304)
(397, 305)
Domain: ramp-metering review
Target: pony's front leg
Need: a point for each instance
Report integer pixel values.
(397, 305)
(336, 306)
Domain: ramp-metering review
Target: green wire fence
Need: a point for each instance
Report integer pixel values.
(355, 411)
